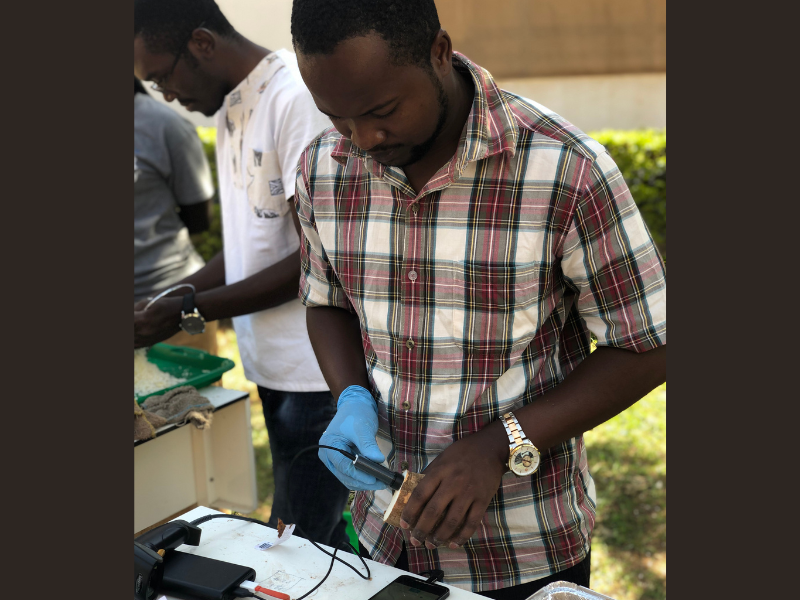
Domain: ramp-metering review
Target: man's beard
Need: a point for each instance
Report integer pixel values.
(420, 150)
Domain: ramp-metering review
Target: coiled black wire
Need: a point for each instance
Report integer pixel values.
(300, 531)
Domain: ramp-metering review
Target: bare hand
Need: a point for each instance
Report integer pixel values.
(157, 323)
(449, 503)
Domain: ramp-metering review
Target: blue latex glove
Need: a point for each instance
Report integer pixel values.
(353, 429)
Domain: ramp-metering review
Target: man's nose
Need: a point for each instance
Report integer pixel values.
(366, 136)
(168, 96)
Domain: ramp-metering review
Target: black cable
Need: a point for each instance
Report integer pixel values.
(205, 518)
(345, 452)
(320, 548)
(300, 531)
(335, 550)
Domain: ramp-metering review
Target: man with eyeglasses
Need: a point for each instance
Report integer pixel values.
(265, 116)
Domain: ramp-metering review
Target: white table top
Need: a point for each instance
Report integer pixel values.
(293, 567)
(218, 396)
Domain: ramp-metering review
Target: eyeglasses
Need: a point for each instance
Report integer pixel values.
(159, 87)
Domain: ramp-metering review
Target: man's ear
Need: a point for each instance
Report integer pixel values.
(442, 53)
(203, 43)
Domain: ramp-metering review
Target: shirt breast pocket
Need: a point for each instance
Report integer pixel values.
(264, 184)
(493, 307)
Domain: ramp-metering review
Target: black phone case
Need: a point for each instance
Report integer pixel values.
(442, 591)
(193, 577)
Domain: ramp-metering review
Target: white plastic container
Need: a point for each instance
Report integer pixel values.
(563, 590)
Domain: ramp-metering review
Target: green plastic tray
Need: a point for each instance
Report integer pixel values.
(199, 368)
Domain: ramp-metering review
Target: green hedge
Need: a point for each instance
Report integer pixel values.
(640, 154)
(209, 243)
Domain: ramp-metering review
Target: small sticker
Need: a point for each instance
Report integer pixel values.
(264, 546)
(286, 535)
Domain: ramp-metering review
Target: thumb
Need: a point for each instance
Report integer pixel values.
(365, 440)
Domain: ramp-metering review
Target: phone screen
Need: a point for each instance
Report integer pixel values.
(408, 588)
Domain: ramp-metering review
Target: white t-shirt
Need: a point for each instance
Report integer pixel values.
(262, 128)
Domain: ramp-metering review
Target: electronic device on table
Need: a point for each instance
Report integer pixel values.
(159, 568)
(406, 587)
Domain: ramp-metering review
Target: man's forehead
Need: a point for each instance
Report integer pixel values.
(362, 55)
(357, 74)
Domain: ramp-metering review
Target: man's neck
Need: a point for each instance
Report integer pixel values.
(460, 93)
(243, 57)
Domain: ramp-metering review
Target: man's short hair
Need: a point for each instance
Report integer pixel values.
(409, 26)
(166, 25)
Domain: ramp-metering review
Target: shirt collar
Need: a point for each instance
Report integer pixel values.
(246, 94)
(490, 128)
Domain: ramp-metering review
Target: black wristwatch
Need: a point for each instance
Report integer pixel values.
(192, 322)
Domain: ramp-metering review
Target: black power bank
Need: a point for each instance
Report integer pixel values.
(193, 577)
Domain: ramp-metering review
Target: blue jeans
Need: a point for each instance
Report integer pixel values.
(314, 498)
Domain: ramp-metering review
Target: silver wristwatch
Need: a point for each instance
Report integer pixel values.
(523, 456)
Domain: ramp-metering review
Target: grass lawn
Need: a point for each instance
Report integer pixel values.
(627, 458)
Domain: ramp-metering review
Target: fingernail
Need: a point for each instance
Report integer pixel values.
(453, 546)
(403, 524)
(415, 542)
(430, 546)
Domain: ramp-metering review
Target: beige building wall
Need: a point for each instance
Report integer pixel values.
(556, 38)
(598, 63)
(594, 102)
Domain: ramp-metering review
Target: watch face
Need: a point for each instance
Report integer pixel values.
(193, 324)
(525, 460)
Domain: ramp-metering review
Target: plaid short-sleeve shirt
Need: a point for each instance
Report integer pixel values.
(476, 296)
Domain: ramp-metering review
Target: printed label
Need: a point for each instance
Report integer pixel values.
(287, 533)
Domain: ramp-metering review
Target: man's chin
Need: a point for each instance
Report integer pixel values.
(394, 158)
(209, 110)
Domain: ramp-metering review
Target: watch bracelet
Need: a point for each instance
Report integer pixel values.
(517, 429)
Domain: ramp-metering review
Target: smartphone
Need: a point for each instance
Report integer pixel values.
(406, 587)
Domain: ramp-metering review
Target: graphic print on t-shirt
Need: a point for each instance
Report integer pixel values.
(265, 191)
(275, 187)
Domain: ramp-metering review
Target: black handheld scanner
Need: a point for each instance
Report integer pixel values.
(148, 564)
(379, 472)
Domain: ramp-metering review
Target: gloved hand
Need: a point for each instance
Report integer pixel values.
(353, 429)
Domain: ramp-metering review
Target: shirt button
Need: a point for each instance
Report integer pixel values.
(404, 465)
(415, 209)
(412, 275)
(410, 344)
(406, 405)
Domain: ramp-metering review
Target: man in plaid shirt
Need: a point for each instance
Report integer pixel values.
(461, 245)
